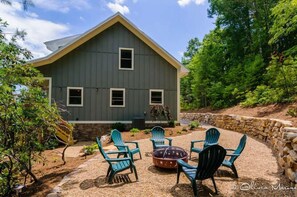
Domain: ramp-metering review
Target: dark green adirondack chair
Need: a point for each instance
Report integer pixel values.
(121, 145)
(233, 156)
(211, 138)
(158, 138)
(210, 159)
(116, 165)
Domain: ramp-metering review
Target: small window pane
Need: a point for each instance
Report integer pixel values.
(156, 97)
(126, 57)
(117, 97)
(75, 96)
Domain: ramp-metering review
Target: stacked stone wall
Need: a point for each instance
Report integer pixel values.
(278, 133)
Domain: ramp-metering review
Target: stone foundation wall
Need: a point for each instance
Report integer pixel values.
(278, 133)
(89, 132)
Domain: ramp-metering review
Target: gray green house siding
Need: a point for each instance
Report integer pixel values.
(94, 66)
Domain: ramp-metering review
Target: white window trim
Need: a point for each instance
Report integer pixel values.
(49, 89)
(156, 90)
(82, 97)
(132, 62)
(110, 97)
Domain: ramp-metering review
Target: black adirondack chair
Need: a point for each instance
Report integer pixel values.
(210, 159)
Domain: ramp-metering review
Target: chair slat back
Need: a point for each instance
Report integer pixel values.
(158, 133)
(210, 159)
(239, 148)
(116, 137)
(212, 136)
(101, 148)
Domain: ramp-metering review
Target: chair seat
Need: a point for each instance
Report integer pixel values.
(161, 146)
(121, 165)
(196, 150)
(227, 163)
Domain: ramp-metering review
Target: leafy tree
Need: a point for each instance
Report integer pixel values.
(26, 118)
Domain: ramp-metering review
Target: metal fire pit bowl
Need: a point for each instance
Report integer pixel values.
(166, 157)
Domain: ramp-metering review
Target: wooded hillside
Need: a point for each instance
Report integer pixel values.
(249, 58)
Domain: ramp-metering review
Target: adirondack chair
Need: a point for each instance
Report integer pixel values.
(210, 159)
(211, 138)
(233, 156)
(158, 138)
(120, 144)
(117, 164)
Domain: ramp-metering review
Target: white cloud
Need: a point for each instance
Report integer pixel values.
(62, 6)
(117, 6)
(199, 2)
(38, 30)
(184, 3)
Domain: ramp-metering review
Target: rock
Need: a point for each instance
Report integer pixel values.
(293, 154)
(53, 195)
(281, 162)
(290, 174)
(295, 140)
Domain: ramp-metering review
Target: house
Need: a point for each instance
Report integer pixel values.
(111, 73)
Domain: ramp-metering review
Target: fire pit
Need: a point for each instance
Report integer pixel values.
(166, 157)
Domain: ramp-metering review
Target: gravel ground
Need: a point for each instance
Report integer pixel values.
(257, 167)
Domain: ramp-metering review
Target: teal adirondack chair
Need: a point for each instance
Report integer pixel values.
(211, 138)
(121, 145)
(117, 165)
(158, 138)
(210, 159)
(233, 156)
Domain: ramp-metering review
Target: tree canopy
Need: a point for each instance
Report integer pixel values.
(249, 58)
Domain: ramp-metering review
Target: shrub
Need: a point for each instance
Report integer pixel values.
(147, 131)
(51, 143)
(184, 129)
(119, 126)
(178, 132)
(133, 131)
(193, 125)
(89, 150)
(292, 111)
(171, 123)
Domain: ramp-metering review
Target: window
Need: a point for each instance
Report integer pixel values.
(75, 96)
(156, 97)
(126, 59)
(117, 97)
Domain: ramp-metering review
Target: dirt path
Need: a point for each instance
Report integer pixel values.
(257, 168)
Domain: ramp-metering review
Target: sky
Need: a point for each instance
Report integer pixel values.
(170, 23)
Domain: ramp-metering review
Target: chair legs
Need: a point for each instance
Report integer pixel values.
(214, 184)
(194, 186)
(136, 176)
(178, 173)
(140, 155)
(234, 170)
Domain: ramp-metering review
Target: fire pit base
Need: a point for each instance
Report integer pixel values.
(166, 157)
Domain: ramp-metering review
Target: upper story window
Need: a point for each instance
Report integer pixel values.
(75, 96)
(117, 97)
(126, 59)
(156, 97)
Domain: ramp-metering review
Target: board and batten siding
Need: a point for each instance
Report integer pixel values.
(95, 66)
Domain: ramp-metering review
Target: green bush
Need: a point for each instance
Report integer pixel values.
(89, 150)
(119, 126)
(184, 129)
(147, 131)
(51, 144)
(292, 111)
(133, 131)
(263, 95)
(193, 125)
(171, 123)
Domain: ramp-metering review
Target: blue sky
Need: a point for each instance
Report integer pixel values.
(171, 23)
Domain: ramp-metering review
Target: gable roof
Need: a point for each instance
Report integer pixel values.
(79, 40)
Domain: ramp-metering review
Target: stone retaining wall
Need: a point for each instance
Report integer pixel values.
(278, 133)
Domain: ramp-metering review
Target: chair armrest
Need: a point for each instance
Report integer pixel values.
(116, 152)
(184, 164)
(229, 149)
(195, 141)
(232, 155)
(118, 159)
(169, 140)
(123, 146)
(136, 143)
